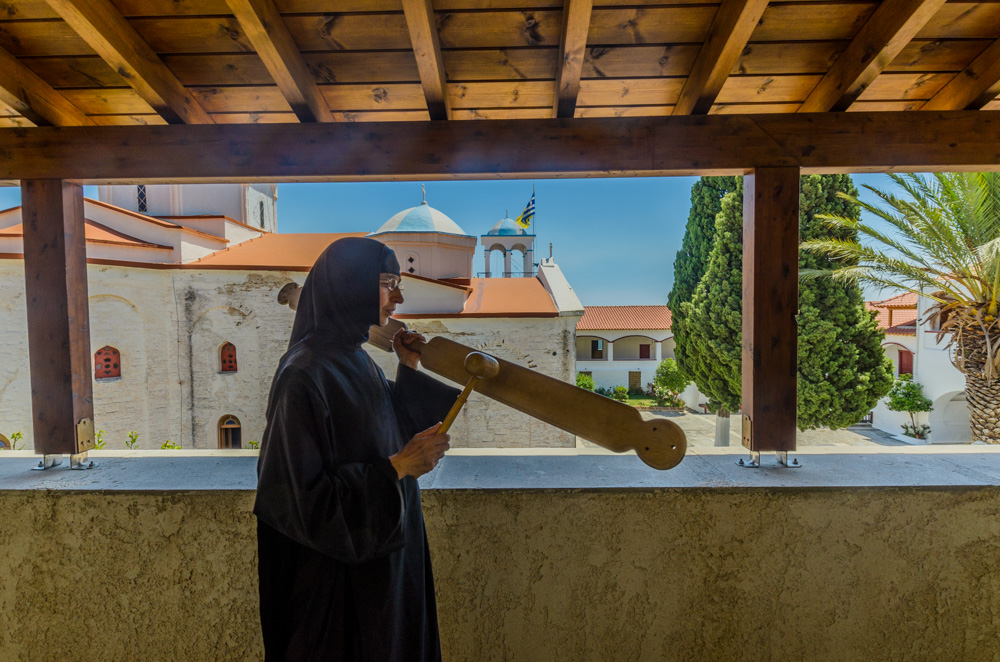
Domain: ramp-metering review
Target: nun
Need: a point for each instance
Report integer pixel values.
(343, 562)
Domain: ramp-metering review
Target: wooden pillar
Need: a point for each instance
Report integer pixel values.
(55, 278)
(770, 303)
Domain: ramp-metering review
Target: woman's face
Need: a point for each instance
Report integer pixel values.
(390, 294)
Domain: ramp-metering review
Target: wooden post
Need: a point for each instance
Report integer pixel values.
(770, 303)
(55, 278)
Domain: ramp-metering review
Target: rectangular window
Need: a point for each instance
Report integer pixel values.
(643, 351)
(905, 362)
(141, 198)
(597, 349)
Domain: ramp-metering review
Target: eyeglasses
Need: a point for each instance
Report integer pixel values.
(390, 283)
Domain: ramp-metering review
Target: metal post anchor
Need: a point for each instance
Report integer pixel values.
(79, 461)
(47, 462)
(783, 460)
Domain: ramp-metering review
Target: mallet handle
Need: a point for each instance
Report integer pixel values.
(457, 407)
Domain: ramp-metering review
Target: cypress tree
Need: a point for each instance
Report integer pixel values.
(692, 259)
(714, 316)
(842, 368)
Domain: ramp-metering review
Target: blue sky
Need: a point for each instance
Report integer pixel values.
(615, 239)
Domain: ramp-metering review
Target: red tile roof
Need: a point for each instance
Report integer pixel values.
(281, 252)
(94, 233)
(904, 300)
(624, 318)
(904, 319)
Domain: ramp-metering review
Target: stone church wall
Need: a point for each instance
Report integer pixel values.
(169, 325)
(542, 344)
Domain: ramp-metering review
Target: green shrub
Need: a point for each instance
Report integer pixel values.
(169, 445)
(585, 381)
(620, 394)
(253, 444)
(600, 390)
(907, 395)
(670, 377)
(99, 440)
(133, 439)
(666, 397)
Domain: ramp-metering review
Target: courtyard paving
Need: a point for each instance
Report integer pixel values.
(700, 431)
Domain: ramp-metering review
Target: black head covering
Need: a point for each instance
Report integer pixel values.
(340, 298)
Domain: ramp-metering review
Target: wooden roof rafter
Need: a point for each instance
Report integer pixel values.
(426, 43)
(266, 30)
(728, 36)
(572, 50)
(102, 26)
(973, 87)
(25, 92)
(891, 27)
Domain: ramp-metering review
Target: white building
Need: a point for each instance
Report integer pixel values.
(623, 345)
(186, 330)
(914, 349)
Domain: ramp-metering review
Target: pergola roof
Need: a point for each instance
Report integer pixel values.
(106, 62)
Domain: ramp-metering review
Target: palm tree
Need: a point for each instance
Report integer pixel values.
(943, 243)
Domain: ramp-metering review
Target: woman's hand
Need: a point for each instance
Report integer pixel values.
(400, 344)
(421, 453)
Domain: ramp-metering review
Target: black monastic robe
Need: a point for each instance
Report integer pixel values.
(344, 567)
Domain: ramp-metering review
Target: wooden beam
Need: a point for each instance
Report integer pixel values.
(25, 92)
(55, 278)
(520, 148)
(427, 50)
(883, 36)
(266, 30)
(973, 87)
(728, 36)
(770, 303)
(105, 30)
(572, 50)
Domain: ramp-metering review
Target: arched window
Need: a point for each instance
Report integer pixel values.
(229, 432)
(107, 363)
(5, 444)
(228, 357)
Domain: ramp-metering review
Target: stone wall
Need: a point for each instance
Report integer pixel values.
(169, 325)
(602, 575)
(543, 344)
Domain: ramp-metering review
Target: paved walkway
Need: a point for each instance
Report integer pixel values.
(700, 431)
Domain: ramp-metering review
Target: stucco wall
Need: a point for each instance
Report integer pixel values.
(669, 574)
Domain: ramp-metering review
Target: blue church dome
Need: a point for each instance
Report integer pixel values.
(506, 227)
(421, 219)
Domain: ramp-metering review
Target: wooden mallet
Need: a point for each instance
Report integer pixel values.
(480, 366)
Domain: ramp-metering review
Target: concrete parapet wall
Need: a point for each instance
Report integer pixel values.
(880, 573)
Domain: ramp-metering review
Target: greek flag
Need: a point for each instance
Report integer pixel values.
(524, 220)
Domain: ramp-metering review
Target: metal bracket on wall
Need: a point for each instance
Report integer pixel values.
(754, 462)
(47, 462)
(79, 461)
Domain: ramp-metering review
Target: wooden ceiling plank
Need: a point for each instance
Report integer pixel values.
(105, 30)
(427, 51)
(572, 50)
(728, 36)
(622, 146)
(973, 87)
(29, 95)
(266, 30)
(880, 40)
